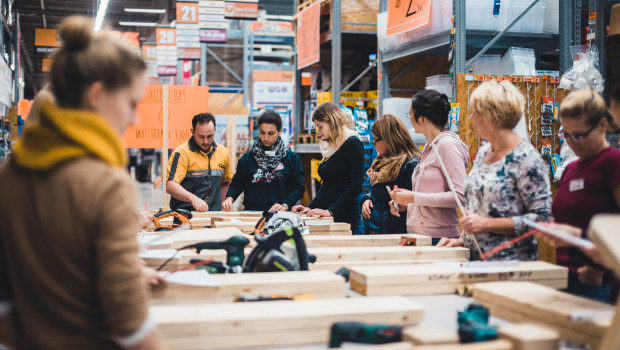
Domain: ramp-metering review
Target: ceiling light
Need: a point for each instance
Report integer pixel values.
(138, 24)
(103, 8)
(146, 10)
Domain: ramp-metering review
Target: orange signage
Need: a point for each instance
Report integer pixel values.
(149, 52)
(47, 37)
(166, 36)
(46, 65)
(308, 35)
(272, 76)
(187, 12)
(133, 38)
(183, 103)
(23, 108)
(405, 15)
(241, 10)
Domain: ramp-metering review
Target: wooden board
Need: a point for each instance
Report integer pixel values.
(547, 305)
(321, 284)
(430, 336)
(529, 336)
(337, 265)
(254, 219)
(501, 344)
(245, 227)
(186, 237)
(603, 231)
(199, 326)
(387, 240)
(340, 254)
(437, 279)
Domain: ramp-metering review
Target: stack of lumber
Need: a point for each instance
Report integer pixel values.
(254, 219)
(320, 284)
(324, 228)
(387, 240)
(186, 237)
(343, 256)
(528, 336)
(234, 325)
(424, 279)
(578, 320)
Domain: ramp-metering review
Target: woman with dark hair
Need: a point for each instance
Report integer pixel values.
(431, 207)
(393, 168)
(270, 175)
(342, 168)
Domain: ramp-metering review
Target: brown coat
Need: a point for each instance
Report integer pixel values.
(68, 254)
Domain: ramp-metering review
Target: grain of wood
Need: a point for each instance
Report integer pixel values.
(489, 345)
(529, 336)
(430, 335)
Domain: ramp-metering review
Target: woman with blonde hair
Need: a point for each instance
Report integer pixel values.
(342, 167)
(509, 181)
(397, 158)
(70, 277)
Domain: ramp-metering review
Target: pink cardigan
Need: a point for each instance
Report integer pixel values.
(434, 211)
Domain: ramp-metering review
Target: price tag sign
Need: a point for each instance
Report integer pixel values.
(406, 15)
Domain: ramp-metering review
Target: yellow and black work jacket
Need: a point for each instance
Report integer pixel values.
(199, 173)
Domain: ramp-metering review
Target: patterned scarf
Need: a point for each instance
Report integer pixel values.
(384, 170)
(268, 159)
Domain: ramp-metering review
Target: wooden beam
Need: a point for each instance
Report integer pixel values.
(543, 304)
(321, 284)
(437, 279)
(230, 325)
(529, 336)
(387, 240)
(489, 345)
(430, 336)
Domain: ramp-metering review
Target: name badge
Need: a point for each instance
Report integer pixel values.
(270, 153)
(576, 185)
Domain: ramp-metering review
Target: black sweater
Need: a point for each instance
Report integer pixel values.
(285, 184)
(343, 177)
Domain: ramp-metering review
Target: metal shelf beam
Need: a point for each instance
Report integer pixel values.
(336, 38)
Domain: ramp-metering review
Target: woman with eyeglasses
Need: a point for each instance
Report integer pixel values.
(509, 180)
(393, 168)
(589, 185)
(430, 205)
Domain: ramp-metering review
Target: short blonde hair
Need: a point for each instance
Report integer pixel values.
(585, 104)
(500, 103)
(336, 119)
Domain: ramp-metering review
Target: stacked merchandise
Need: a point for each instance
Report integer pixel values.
(553, 73)
(552, 17)
(5, 138)
(532, 22)
(519, 61)
(487, 64)
(440, 83)
(485, 15)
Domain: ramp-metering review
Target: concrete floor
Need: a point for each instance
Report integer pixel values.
(146, 191)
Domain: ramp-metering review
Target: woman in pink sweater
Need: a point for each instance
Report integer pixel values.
(431, 208)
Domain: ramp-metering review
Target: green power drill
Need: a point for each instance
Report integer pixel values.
(356, 332)
(234, 247)
(474, 326)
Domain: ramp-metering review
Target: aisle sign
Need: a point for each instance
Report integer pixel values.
(187, 12)
(46, 40)
(183, 103)
(406, 15)
(149, 54)
(273, 88)
(166, 51)
(213, 35)
(188, 40)
(241, 9)
(212, 22)
(308, 35)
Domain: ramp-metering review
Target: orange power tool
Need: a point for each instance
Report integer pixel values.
(182, 217)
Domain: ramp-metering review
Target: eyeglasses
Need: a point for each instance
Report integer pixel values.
(577, 136)
(409, 115)
(374, 142)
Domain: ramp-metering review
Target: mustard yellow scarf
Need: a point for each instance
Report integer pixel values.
(384, 169)
(64, 134)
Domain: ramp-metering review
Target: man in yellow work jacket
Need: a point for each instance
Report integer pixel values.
(199, 170)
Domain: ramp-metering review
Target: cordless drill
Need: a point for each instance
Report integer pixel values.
(474, 324)
(234, 247)
(356, 332)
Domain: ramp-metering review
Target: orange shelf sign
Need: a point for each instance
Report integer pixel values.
(405, 15)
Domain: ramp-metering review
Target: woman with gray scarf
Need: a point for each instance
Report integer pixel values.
(270, 176)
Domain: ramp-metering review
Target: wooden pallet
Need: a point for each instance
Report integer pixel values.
(234, 325)
(531, 302)
(438, 279)
(320, 284)
(306, 138)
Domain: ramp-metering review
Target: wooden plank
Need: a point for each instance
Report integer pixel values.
(254, 219)
(245, 227)
(323, 226)
(501, 344)
(529, 336)
(339, 254)
(335, 266)
(548, 305)
(387, 240)
(198, 326)
(318, 283)
(430, 335)
(569, 335)
(436, 279)
(603, 231)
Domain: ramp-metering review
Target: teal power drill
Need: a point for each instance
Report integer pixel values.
(356, 332)
(234, 247)
(474, 324)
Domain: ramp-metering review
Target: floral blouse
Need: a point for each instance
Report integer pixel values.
(516, 186)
